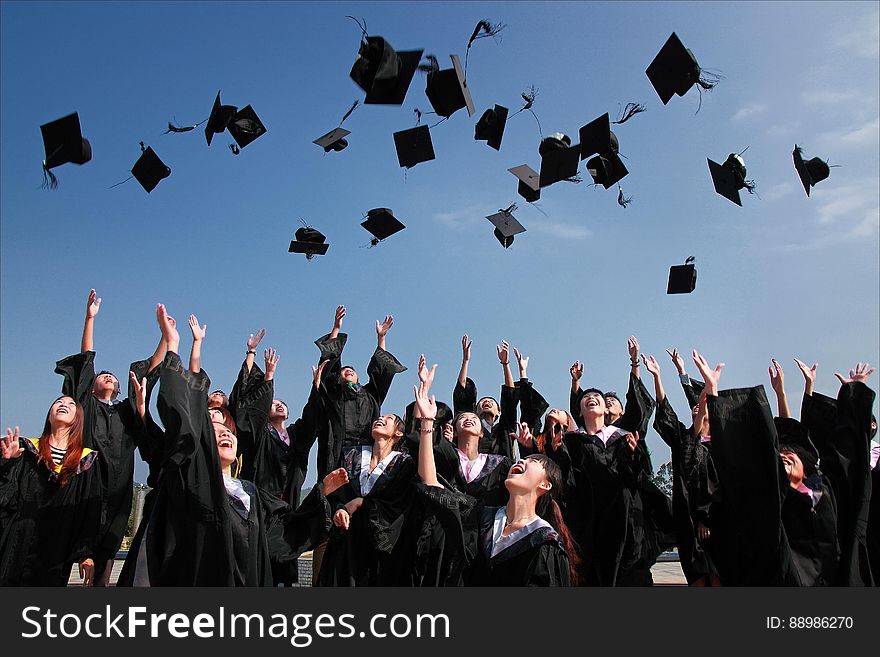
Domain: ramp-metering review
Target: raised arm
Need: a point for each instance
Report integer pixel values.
(337, 322)
(382, 330)
(632, 346)
(777, 382)
(504, 358)
(253, 342)
(653, 367)
(710, 376)
(195, 354)
(809, 376)
(426, 410)
(465, 357)
(88, 337)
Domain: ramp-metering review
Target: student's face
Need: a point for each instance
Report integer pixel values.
(487, 405)
(217, 399)
(592, 405)
(613, 407)
(385, 427)
(348, 375)
(63, 412)
(227, 444)
(468, 423)
(278, 411)
(526, 476)
(794, 468)
(106, 384)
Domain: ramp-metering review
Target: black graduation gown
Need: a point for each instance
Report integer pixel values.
(273, 465)
(114, 430)
(695, 492)
(769, 534)
(370, 552)
(537, 559)
(840, 430)
(45, 528)
(872, 538)
(349, 410)
(495, 438)
(195, 536)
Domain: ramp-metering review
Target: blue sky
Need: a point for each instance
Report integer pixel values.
(784, 276)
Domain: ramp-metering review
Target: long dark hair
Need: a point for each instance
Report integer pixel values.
(74, 445)
(549, 510)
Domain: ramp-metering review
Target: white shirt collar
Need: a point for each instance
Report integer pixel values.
(500, 542)
(368, 479)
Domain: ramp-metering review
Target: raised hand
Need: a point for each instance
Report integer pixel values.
(168, 327)
(337, 321)
(466, 347)
(777, 378)
(576, 371)
(270, 358)
(677, 360)
(87, 571)
(808, 372)
(632, 439)
(633, 346)
(425, 406)
(334, 480)
(383, 328)
(423, 369)
(449, 432)
(523, 434)
(503, 352)
(556, 439)
(317, 372)
(523, 362)
(140, 393)
(93, 305)
(710, 376)
(10, 446)
(341, 518)
(253, 340)
(197, 331)
(651, 365)
(860, 373)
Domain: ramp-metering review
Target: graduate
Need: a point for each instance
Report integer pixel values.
(50, 501)
(523, 543)
(113, 428)
(206, 527)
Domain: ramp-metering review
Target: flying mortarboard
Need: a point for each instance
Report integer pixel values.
(447, 90)
(529, 182)
(149, 170)
(675, 70)
(682, 278)
(730, 177)
(381, 224)
(333, 140)
(559, 160)
(246, 126)
(309, 241)
(490, 127)
(220, 118)
(383, 73)
(607, 170)
(596, 137)
(810, 171)
(63, 143)
(414, 146)
(506, 226)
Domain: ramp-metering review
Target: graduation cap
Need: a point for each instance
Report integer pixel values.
(559, 159)
(490, 127)
(246, 126)
(730, 177)
(810, 171)
(383, 73)
(220, 118)
(149, 170)
(529, 182)
(506, 226)
(414, 146)
(607, 170)
(682, 278)
(597, 138)
(675, 70)
(309, 241)
(447, 90)
(63, 143)
(381, 223)
(333, 140)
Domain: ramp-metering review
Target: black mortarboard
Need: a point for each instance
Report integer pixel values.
(246, 126)
(730, 177)
(674, 70)
(529, 182)
(309, 241)
(333, 140)
(219, 120)
(448, 91)
(682, 278)
(596, 137)
(383, 73)
(414, 146)
(558, 163)
(149, 170)
(63, 142)
(381, 223)
(490, 127)
(606, 170)
(810, 171)
(506, 226)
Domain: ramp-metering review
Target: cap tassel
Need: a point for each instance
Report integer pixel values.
(350, 110)
(510, 209)
(529, 100)
(483, 30)
(49, 179)
(235, 149)
(174, 128)
(361, 24)
(622, 200)
(629, 111)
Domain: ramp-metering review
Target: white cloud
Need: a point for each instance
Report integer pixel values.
(830, 96)
(748, 111)
(459, 219)
(862, 39)
(561, 230)
(776, 192)
(781, 130)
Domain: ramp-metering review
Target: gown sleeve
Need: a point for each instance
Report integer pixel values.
(464, 398)
(550, 567)
(78, 371)
(381, 370)
(532, 405)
